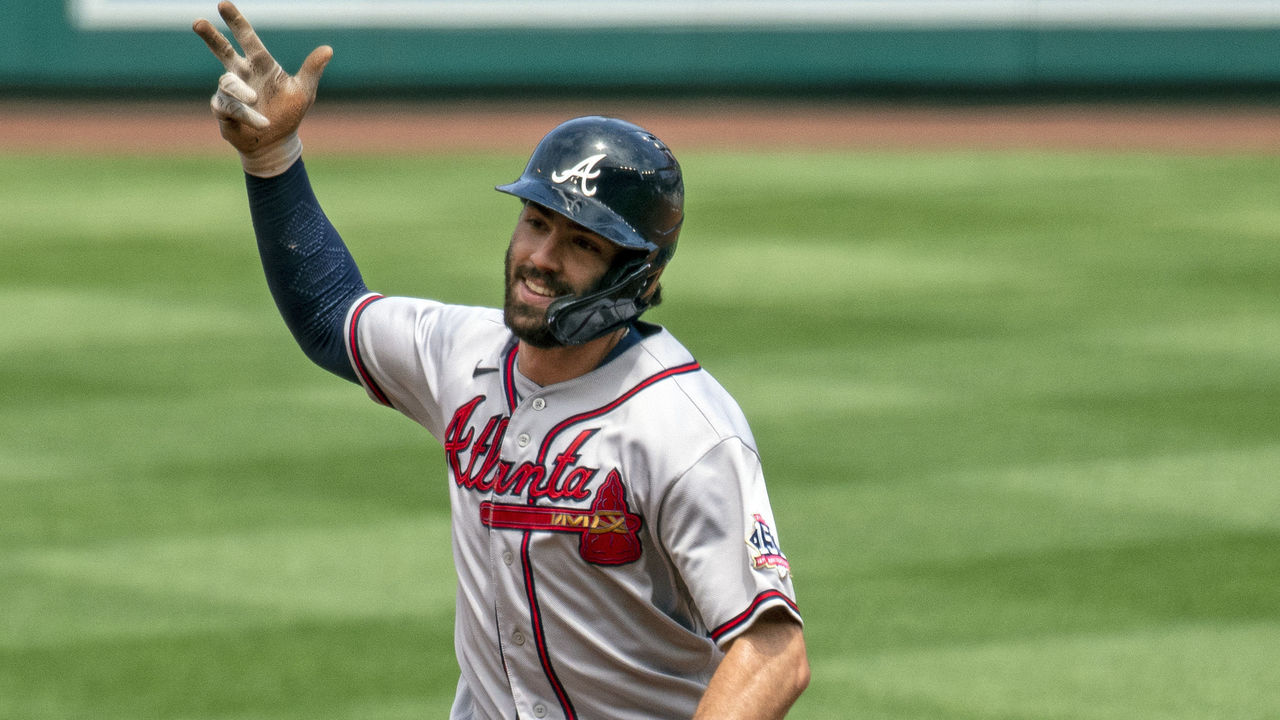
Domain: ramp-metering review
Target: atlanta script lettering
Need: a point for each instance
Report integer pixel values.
(474, 457)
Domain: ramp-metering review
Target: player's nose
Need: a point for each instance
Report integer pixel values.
(547, 252)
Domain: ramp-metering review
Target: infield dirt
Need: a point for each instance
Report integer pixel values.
(391, 127)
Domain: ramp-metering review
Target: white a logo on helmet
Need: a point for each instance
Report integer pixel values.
(582, 172)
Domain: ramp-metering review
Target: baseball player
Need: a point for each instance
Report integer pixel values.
(615, 549)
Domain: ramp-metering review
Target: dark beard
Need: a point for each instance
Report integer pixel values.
(527, 323)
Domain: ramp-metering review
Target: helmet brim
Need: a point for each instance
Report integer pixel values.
(585, 211)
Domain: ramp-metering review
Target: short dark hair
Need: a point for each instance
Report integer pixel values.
(656, 299)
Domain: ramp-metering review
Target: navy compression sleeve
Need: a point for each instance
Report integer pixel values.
(312, 276)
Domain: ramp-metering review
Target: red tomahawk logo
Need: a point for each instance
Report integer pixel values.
(609, 530)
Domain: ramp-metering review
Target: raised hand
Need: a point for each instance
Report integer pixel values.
(259, 106)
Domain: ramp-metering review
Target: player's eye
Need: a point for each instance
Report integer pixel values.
(587, 244)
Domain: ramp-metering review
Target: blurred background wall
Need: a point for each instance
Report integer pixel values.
(435, 47)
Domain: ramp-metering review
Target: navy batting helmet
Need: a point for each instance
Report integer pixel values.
(621, 182)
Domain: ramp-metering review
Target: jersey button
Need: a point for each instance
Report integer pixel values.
(507, 557)
(539, 403)
(517, 637)
(523, 440)
(540, 710)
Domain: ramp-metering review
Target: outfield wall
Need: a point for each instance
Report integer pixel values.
(750, 45)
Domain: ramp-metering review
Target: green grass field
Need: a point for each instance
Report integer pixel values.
(1019, 413)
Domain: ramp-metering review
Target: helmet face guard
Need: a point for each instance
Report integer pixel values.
(622, 183)
(576, 319)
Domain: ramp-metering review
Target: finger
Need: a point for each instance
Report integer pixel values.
(313, 67)
(218, 44)
(232, 85)
(228, 108)
(253, 48)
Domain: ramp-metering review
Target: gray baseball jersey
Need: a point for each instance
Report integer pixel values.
(610, 533)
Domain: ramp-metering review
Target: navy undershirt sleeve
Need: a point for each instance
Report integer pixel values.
(309, 270)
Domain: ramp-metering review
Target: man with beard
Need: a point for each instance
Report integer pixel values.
(616, 552)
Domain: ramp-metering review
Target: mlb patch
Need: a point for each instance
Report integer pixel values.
(765, 552)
